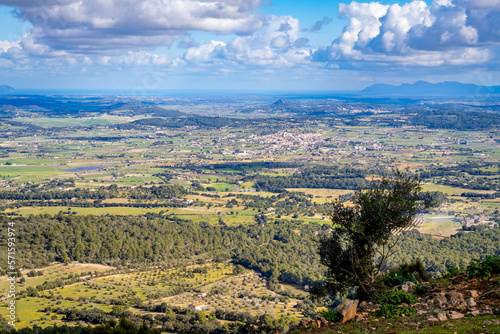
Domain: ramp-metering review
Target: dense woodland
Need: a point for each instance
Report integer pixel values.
(281, 250)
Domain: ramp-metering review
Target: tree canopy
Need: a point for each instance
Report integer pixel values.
(365, 234)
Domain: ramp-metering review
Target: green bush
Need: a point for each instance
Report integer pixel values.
(484, 267)
(420, 289)
(396, 297)
(331, 315)
(415, 269)
(393, 279)
(390, 311)
(451, 272)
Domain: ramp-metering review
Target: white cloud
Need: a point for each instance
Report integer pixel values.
(117, 34)
(447, 32)
(278, 43)
(398, 21)
(6, 45)
(364, 25)
(206, 52)
(79, 27)
(446, 3)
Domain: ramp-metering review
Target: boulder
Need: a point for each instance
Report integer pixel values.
(408, 286)
(473, 293)
(435, 287)
(442, 316)
(362, 306)
(347, 310)
(462, 307)
(323, 321)
(455, 298)
(439, 298)
(366, 307)
(471, 303)
(486, 311)
(455, 315)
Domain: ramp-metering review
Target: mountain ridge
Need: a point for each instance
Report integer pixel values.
(426, 88)
(6, 89)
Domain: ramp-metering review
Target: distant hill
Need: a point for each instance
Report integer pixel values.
(148, 110)
(282, 105)
(426, 88)
(6, 89)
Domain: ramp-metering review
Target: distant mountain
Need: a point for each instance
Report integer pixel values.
(282, 105)
(426, 88)
(280, 102)
(6, 89)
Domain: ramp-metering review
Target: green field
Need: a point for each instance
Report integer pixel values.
(64, 122)
(154, 285)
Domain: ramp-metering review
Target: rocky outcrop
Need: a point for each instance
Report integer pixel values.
(408, 286)
(440, 304)
(347, 310)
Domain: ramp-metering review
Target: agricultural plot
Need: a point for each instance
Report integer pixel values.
(452, 191)
(218, 286)
(242, 293)
(51, 273)
(440, 226)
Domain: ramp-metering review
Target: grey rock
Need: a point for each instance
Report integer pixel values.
(473, 294)
(442, 316)
(471, 302)
(347, 310)
(408, 287)
(455, 298)
(455, 315)
(439, 298)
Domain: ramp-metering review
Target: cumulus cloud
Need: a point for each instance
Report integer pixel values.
(278, 43)
(6, 45)
(364, 25)
(119, 33)
(76, 26)
(320, 24)
(206, 52)
(396, 24)
(447, 32)
(186, 43)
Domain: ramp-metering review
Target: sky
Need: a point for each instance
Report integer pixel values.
(242, 45)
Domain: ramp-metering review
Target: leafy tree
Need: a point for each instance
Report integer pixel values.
(366, 234)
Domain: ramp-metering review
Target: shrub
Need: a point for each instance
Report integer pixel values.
(420, 289)
(484, 267)
(390, 311)
(451, 272)
(393, 279)
(331, 315)
(415, 269)
(396, 297)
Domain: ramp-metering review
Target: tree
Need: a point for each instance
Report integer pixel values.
(365, 235)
